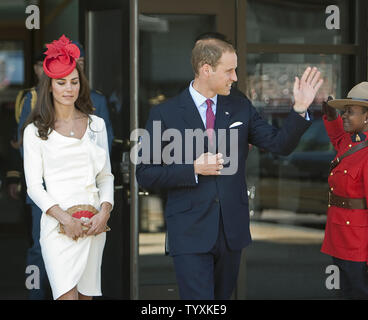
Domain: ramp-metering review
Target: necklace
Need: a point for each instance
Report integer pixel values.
(71, 129)
(71, 132)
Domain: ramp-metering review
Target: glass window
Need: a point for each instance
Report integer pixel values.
(301, 22)
(297, 182)
(107, 77)
(11, 63)
(283, 38)
(165, 69)
(270, 78)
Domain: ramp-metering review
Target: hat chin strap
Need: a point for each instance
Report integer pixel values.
(365, 126)
(359, 99)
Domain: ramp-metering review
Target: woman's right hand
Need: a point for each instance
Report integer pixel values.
(330, 112)
(73, 228)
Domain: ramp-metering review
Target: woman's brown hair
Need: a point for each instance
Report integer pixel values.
(43, 114)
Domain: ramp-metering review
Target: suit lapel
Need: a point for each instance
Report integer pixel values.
(222, 119)
(190, 112)
(193, 119)
(222, 113)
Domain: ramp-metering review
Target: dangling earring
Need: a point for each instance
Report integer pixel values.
(365, 121)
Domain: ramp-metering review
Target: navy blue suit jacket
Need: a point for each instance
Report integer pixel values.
(193, 208)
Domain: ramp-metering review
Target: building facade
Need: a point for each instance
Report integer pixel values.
(138, 55)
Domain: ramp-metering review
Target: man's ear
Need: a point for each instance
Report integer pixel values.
(206, 69)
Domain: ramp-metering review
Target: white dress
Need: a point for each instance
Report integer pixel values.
(75, 171)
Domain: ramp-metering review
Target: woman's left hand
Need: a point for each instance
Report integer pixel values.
(97, 224)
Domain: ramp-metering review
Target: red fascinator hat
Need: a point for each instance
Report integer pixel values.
(60, 58)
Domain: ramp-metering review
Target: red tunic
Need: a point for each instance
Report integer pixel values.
(346, 233)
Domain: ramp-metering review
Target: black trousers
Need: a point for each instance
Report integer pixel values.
(353, 279)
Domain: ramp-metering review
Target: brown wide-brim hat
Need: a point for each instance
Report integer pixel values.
(358, 96)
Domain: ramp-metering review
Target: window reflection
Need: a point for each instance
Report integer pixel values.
(11, 63)
(270, 78)
(297, 182)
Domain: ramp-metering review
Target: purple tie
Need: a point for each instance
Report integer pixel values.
(210, 120)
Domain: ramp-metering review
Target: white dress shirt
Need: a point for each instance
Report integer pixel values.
(200, 102)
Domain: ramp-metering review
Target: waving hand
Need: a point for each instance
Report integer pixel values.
(306, 89)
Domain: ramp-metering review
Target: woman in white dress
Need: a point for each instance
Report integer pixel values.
(66, 148)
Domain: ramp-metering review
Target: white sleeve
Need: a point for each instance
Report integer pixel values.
(33, 169)
(105, 179)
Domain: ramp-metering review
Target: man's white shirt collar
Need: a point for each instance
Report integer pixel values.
(198, 99)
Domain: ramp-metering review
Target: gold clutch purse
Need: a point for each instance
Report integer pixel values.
(84, 212)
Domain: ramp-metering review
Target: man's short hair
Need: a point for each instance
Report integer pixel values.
(209, 51)
(211, 35)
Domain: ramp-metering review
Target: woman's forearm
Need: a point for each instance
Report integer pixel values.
(59, 214)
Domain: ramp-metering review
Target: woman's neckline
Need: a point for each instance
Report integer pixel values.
(73, 137)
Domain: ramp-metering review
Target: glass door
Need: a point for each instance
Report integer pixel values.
(15, 216)
(287, 194)
(105, 34)
(167, 33)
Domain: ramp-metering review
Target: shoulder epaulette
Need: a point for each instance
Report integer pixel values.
(13, 174)
(19, 101)
(34, 98)
(98, 92)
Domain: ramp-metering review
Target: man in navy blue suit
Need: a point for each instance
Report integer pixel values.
(207, 212)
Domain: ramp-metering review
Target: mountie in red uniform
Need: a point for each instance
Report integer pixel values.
(346, 233)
